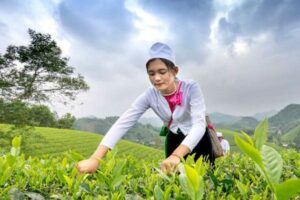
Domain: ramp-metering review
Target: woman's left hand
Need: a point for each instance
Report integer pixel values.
(169, 164)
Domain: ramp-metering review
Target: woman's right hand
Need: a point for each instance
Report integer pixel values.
(88, 166)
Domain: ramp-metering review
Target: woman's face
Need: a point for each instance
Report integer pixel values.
(161, 76)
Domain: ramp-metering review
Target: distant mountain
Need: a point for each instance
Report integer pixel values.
(220, 118)
(91, 117)
(261, 115)
(140, 133)
(146, 131)
(287, 118)
(235, 123)
(246, 124)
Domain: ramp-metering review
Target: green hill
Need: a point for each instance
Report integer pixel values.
(220, 118)
(54, 141)
(246, 124)
(139, 133)
(292, 134)
(287, 118)
(285, 125)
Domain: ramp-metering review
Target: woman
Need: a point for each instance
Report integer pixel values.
(179, 104)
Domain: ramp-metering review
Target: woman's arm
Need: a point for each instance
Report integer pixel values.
(197, 112)
(126, 121)
(170, 163)
(90, 165)
(100, 152)
(120, 127)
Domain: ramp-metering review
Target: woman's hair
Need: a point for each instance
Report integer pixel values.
(169, 64)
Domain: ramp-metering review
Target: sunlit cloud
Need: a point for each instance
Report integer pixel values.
(238, 50)
(240, 47)
(149, 28)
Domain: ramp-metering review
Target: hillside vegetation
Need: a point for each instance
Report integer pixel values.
(287, 117)
(292, 136)
(52, 141)
(284, 125)
(143, 134)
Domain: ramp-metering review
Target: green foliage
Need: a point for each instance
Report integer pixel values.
(233, 177)
(249, 150)
(260, 134)
(287, 189)
(27, 134)
(16, 146)
(21, 114)
(191, 181)
(36, 72)
(272, 163)
(269, 162)
(66, 121)
(15, 112)
(40, 115)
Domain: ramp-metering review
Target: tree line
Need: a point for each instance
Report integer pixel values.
(21, 114)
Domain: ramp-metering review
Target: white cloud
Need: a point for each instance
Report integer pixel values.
(150, 28)
(240, 47)
(242, 68)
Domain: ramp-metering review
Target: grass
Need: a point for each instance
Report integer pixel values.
(52, 141)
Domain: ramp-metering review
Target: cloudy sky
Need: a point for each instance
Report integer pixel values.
(244, 53)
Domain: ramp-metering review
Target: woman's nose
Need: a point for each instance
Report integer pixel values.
(157, 77)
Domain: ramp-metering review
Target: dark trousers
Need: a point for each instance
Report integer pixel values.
(203, 148)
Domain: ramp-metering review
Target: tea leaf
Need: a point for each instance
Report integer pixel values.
(242, 188)
(272, 162)
(69, 181)
(248, 138)
(260, 134)
(117, 181)
(16, 142)
(168, 192)
(185, 183)
(249, 150)
(287, 189)
(158, 193)
(193, 176)
(35, 196)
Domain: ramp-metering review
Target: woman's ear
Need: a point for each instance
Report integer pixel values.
(176, 70)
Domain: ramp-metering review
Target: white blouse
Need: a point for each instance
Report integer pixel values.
(189, 117)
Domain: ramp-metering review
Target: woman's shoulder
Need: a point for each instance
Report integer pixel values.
(189, 83)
